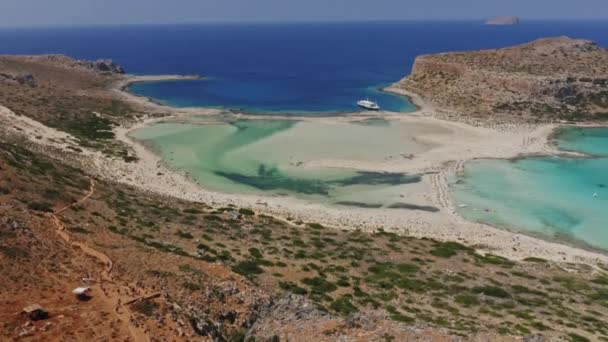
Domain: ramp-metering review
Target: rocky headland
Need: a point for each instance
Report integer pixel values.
(541, 81)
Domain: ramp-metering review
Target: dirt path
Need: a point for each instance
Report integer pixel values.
(114, 294)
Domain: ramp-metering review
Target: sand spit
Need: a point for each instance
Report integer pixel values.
(451, 151)
(120, 89)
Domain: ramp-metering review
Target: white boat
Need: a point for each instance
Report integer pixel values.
(369, 105)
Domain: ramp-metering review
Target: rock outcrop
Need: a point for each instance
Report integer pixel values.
(503, 21)
(547, 79)
(105, 65)
(101, 66)
(22, 78)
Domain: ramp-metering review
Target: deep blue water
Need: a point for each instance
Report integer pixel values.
(316, 67)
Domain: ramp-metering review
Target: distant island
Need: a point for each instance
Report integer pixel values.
(504, 21)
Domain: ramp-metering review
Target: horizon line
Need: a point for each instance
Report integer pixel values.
(295, 22)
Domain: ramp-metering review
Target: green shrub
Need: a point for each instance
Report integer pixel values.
(571, 283)
(527, 290)
(578, 338)
(13, 252)
(316, 226)
(79, 230)
(192, 211)
(184, 235)
(293, 288)
(399, 317)
(494, 260)
(601, 280)
(534, 259)
(600, 295)
(343, 282)
(246, 212)
(192, 286)
(248, 268)
(160, 274)
(319, 285)
(448, 249)
(146, 307)
(407, 268)
(40, 206)
(492, 291)
(467, 300)
(343, 306)
(255, 253)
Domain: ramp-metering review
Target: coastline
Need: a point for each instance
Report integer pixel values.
(445, 225)
(119, 88)
(465, 142)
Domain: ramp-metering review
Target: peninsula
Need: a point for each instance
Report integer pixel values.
(542, 81)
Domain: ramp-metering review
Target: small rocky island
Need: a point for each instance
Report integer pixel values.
(504, 21)
(547, 79)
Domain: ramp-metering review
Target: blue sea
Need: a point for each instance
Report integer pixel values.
(304, 68)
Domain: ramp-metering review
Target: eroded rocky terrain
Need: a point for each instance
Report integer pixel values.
(545, 80)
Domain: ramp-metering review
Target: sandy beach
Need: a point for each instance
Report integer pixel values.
(451, 150)
(465, 142)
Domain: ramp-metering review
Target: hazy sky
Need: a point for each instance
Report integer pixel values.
(93, 12)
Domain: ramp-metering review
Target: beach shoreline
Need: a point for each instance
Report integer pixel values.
(463, 143)
(499, 141)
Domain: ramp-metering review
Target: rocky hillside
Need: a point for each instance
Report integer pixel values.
(547, 79)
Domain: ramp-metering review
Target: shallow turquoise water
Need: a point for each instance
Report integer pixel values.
(592, 141)
(557, 197)
(267, 157)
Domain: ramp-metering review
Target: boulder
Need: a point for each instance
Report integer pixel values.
(107, 66)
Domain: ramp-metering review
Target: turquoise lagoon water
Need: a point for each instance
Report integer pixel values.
(268, 156)
(593, 141)
(558, 197)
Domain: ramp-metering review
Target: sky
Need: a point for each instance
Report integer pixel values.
(24, 13)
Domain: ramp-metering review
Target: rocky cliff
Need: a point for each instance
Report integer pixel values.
(99, 66)
(547, 79)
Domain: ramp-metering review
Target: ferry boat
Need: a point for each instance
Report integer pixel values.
(369, 105)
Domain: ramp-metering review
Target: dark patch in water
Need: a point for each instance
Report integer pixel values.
(409, 206)
(557, 219)
(378, 178)
(271, 179)
(601, 185)
(360, 204)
